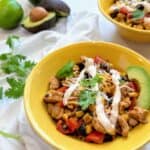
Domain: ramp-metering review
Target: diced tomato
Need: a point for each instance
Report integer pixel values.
(124, 10)
(61, 104)
(62, 89)
(98, 60)
(133, 85)
(95, 137)
(73, 124)
(59, 127)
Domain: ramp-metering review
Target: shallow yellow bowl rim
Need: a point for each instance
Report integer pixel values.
(117, 22)
(30, 78)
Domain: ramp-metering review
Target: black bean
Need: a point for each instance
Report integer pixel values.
(81, 65)
(110, 101)
(105, 66)
(47, 95)
(114, 13)
(82, 130)
(87, 75)
(140, 7)
(125, 77)
(108, 138)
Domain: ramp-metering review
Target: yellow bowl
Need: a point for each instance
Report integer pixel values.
(37, 83)
(130, 33)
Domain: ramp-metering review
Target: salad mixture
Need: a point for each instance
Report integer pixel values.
(93, 101)
(134, 13)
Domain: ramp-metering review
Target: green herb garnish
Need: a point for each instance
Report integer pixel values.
(91, 82)
(138, 14)
(1, 92)
(66, 70)
(8, 135)
(86, 98)
(16, 88)
(16, 64)
(12, 41)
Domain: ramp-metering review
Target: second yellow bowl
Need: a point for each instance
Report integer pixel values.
(129, 33)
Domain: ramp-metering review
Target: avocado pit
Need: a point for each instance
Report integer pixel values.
(37, 14)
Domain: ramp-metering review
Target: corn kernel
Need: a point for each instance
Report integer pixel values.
(79, 114)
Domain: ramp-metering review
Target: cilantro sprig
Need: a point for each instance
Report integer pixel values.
(138, 14)
(9, 135)
(12, 41)
(91, 82)
(1, 92)
(15, 64)
(66, 70)
(16, 88)
(86, 98)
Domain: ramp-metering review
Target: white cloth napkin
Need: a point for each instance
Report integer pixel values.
(79, 27)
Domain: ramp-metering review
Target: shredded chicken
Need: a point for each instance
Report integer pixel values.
(124, 126)
(54, 83)
(139, 114)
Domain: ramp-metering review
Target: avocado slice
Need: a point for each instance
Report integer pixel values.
(143, 78)
(45, 23)
(58, 6)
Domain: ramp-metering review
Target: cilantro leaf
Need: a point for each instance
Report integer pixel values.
(16, 88)
(5, 56)
(86, 98)
(66, 70)
(1, 92)
(12, 41)
(8, 135)
(138, 14)
(16, 64)
(91, 82)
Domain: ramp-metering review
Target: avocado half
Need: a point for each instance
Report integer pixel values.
(58, 6)
(143, 78)
(48, 22)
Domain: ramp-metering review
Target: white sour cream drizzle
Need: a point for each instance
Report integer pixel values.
(116, 97)
(102, 116)
(72, 87)
(90, 68)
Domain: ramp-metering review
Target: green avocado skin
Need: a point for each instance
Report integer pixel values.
(45, 25)
(35, 2)
(142, 76)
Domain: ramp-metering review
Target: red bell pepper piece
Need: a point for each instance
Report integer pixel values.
(62, 89)
(73, 124)
(59, 127)
(95, 137)
(133, 85)
(124, 10)
(98, 60)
